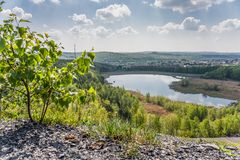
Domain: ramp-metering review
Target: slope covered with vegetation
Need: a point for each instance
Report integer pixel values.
(118, 113)
(35, 86)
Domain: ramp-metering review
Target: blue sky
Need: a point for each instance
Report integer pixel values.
(135, 25)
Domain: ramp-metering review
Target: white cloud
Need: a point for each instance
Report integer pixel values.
(81, 19)
(188, 24)
(145, 2)
(202, 28)
(127, 31)
(98, 32)
(113, 12)
(55, 34)
(165, 28)
(187, 5)
(102, 32)
(227, 26)
(37, 1)
(79, 32)
(5, 13)
(19, 12)
(56, 1)
(99, 1)
(42, 1)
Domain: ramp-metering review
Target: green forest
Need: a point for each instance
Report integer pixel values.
(173, 69)
(224, 73)
(35, 85)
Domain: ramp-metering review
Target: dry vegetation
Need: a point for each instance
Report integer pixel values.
(225, 89)
(155, 109)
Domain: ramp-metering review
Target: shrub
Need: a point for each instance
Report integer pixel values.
(28, 72)
(185, 83)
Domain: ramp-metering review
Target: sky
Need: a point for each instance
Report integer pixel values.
(134, 25)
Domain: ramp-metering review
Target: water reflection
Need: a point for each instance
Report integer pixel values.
(159, 85)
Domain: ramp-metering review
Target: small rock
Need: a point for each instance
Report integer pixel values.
(231, 148)
(97, 145)
(70, 137)
(4, 149)
(185, 147)
(61, 156)
(210, 146)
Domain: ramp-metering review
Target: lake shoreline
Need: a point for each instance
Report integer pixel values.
(107, 74)
(225, 89)
(161, 86)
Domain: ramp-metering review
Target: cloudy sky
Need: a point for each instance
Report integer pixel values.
(135, 25)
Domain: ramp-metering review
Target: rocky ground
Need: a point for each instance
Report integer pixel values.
(24, 140)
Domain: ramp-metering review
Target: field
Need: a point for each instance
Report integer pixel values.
(223, 89)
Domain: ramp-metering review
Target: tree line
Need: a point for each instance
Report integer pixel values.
(224, 73)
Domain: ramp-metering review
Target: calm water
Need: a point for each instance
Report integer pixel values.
(158, 85)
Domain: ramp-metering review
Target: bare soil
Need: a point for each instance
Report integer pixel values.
(155, 109)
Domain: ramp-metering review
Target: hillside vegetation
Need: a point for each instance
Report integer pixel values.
(120, 114)
(35, 85)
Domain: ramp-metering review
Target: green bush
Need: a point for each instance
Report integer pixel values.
(28, 73)
(184, 82)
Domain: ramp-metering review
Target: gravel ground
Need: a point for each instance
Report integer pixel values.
(24, 140)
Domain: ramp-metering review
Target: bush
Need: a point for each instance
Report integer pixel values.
(185, 83)
(213, 87)
(28, 75)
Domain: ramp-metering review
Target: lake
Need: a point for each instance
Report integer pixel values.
(158, 85)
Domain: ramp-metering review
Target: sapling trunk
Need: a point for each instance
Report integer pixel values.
(45, 107)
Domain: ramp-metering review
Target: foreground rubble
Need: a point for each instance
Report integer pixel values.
(24, 140)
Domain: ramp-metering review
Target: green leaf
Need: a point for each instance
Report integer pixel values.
(40, 75)
(92, 91)
(37, 58)
(2, 44)
(22, 31)
(84, 53)
(44, 51)
(19, 43)
(82, 96)
(30, 75)
(35, 48)
(40, 35)
(91, 55)
(12, 14)
(46, 35)
(24, 21)
(52, 44)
